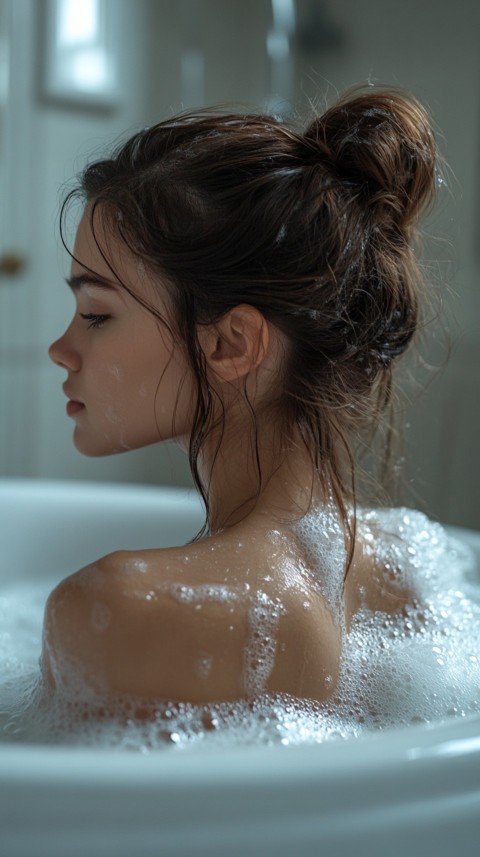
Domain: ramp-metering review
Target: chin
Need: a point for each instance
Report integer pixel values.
(97, 450)
(93, 452)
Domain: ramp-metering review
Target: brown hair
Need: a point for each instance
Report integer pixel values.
(314, 229)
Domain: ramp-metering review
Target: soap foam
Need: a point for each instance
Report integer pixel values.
(418, 665)
(263, 616)
(322, 538)
(423, 661)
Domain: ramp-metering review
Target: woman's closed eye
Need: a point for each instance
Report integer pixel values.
(96, 320)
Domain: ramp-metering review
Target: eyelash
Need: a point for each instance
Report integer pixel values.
(95, 320)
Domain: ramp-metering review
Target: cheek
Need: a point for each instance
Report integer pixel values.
(116, 372)
(175, 397)
(148, 396)
(118, 382)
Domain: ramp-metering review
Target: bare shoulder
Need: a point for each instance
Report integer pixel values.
(215, 620)
(120, 627)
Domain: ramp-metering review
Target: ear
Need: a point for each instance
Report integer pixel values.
(236, 344)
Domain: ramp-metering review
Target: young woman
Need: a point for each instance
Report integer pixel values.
(243, 289)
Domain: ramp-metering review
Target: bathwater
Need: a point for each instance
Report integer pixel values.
(418, 664)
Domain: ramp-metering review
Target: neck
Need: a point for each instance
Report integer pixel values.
(285, 490)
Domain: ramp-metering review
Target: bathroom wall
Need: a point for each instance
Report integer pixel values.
(181, 54)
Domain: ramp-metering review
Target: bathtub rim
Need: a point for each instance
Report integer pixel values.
(25, 486)
(406, 750)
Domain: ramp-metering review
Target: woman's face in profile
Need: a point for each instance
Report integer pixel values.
(126, 378)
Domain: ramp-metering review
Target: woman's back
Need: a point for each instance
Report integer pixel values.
(260, 607)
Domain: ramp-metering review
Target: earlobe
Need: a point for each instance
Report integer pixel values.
(236, 344)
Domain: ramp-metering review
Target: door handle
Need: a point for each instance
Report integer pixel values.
(11, 264)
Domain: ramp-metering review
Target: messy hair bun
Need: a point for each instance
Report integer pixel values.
(371, 160)
(314, 228)
(381, 143)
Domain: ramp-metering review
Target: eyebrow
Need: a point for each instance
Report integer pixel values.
(80, 280)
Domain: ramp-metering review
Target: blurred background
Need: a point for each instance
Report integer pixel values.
(77, 74)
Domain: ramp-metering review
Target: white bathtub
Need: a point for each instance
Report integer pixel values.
(398, 793)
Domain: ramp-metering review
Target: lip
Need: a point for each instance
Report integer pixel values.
(73, 405)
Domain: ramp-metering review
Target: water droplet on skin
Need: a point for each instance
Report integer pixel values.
(116, 372)
(101, 616)
(203, 666)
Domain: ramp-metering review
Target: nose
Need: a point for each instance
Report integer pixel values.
(64, 354)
